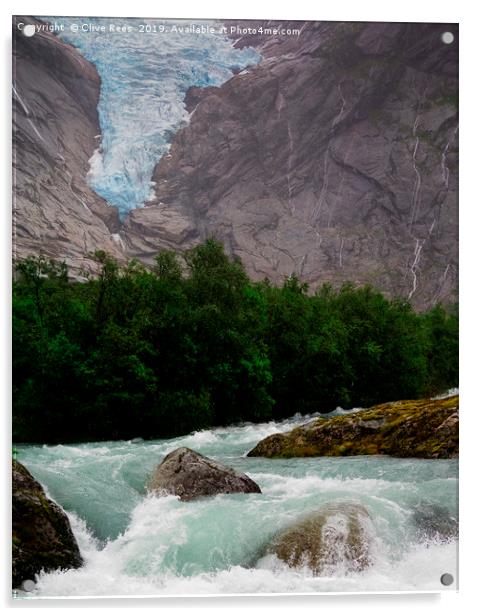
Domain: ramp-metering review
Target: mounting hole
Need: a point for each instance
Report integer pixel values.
(28, 585)
(447, 579)
(447, 38)
(29, 30)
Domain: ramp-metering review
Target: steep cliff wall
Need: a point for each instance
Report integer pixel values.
(335, 157)
(55, 131)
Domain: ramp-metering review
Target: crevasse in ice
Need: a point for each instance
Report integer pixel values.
(144, 79)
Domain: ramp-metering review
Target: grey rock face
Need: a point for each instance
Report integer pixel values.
(55, 132)
(334, 158)
(190, 475)
(336, 535)
(41, 532)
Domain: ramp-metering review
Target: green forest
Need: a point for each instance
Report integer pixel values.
(192, 342)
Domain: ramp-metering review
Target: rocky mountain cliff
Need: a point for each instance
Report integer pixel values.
(55, 132)
(335, 158)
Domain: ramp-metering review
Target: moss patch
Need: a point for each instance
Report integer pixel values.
(408, 428)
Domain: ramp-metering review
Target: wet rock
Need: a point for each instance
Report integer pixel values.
(337, 535)
(41, 533)
(406, 429)
(434, 522)
(190, 475)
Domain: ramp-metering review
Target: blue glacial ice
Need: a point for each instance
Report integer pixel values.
(144, 78)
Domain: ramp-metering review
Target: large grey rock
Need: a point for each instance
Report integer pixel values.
(41, 533)
(55, 132)
(434, 523)
(335, 158)
(190, 475)
(337, 535)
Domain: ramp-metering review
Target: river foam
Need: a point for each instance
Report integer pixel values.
(138, 544)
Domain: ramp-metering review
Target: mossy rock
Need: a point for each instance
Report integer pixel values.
(336, 535)
(42, 538)
(407, 428)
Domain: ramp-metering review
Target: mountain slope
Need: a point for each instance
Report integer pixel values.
(55, 132)
(335, 157)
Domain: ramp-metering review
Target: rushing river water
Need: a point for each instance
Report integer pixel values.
(137, 544)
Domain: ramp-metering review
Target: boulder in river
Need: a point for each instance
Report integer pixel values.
(435, 523)
(42, 538)
(190, 475)
(406, 429)
(337, 535)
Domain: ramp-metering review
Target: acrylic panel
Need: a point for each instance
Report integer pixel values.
(235, 307)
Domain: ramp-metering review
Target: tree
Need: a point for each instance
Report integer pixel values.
(441, 344)
(163, 350)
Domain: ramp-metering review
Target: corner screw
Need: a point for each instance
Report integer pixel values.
(447, 579)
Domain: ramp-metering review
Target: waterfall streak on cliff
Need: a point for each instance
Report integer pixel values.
(340, 251)
(27, 113)
(290, 149)
(414, 266)
(325, 180)
(444, 167)
(441, 284)
(417, 184)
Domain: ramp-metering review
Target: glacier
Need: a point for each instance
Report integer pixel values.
(144, 79)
